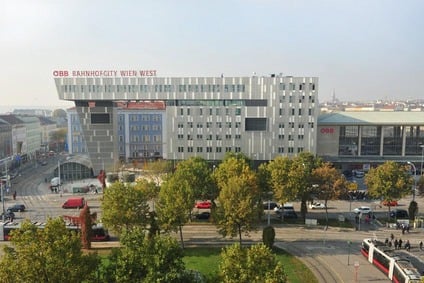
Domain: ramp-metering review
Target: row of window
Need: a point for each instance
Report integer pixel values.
(178, 88)
(300, 87)
(209, 125)
(290, 150)
(143, 138)
(142, 117)
(209, 137)
(208, 149)
(300, 111)
(299, 126)
(200, 111)
(292, 98)
(135, 128)
(156, 88)
(291, 137)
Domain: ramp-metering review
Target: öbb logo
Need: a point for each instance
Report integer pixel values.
(60, 73)
(327, 130)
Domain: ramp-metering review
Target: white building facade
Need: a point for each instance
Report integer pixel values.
(261, 117)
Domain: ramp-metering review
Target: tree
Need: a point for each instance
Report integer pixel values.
(86, 227)
(142, 259)
(291, 179)
(52, 254)
(413, 210)
(125, 206)
(158, 171)
(329, 184)
(58, 137)
(197, 170)
(268, 236)
(389, 181)
(256, 264)
(238, 200)
(175, 204)
(59, 113)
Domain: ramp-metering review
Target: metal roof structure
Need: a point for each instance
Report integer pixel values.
(371, 118)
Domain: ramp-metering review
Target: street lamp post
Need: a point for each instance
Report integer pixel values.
(415, 179)
(422, 156)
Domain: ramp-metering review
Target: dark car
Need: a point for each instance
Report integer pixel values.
(399, 213)
(271, 205)
(8, 215)
(203, 215)
(16, 208)
(289, 214)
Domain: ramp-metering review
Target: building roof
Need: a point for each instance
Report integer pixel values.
(11, 119)
(371, 118)
(80, 158)
(45, 121)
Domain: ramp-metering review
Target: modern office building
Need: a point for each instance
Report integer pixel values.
(260, 116)
(359, 140)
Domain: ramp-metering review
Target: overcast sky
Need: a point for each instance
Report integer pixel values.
(362, 49)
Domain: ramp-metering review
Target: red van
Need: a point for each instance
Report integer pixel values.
(74, 203)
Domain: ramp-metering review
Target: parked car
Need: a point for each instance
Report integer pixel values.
(74, 203)
(203, 215)
(203, 204)
(362, 209)
(317, 205)
(16, 208)
(271, 205)
(284, 207)
(389, 203)
(399, 213)
(359, 173)
(289, 214)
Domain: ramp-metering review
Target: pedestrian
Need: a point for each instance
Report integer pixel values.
(400, 244)
(392, 237)
(407, 245)
(390, 244)
(396, 244)
(386, 242)
(14, 195)
(421, 245)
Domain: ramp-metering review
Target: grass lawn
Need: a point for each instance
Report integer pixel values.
(206, 261)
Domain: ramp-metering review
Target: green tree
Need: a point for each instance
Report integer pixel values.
(292, 179)
(176, 200)
(256, 264)
(389, 181)
(158, 171)
(330, 184)
(268, 236)
(413, 210)
(125, 206)
(238, 200)
(52, 254)
(197, 170)
(142, 259)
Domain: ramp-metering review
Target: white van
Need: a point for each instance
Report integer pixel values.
(55, 182)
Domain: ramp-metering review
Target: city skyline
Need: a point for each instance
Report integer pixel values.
(360, 50)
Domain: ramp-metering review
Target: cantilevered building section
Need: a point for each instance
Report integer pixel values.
(262, 117)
